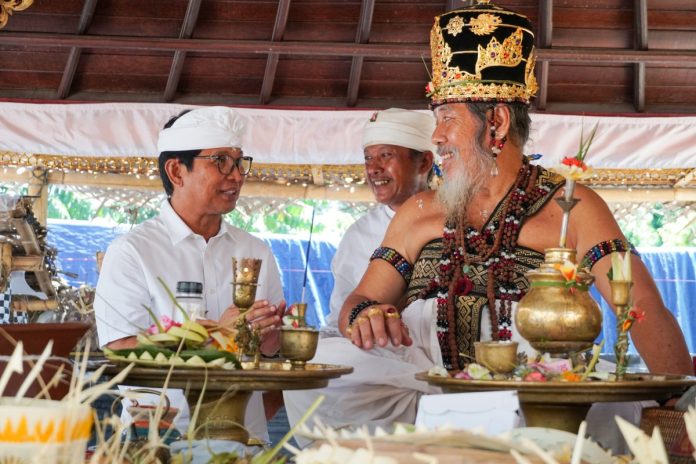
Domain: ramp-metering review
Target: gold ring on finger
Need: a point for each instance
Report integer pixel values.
(374, 311)
(362, 319)
(393, 315)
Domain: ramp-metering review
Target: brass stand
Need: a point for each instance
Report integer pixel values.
(221, 416)
(621, 298)
(555, 416)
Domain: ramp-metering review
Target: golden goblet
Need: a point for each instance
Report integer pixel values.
(498, 357)
(246, 276)
(620, 292)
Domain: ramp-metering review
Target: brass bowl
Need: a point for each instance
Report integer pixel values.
(498, 357)
(298, 345)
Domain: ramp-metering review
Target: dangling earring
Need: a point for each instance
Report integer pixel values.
(496, 147)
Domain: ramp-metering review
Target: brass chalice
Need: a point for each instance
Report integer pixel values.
(299, 344)
(246, 272)
(246, 277)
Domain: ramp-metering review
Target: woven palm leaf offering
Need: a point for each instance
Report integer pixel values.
(39, 430)
(189, 343)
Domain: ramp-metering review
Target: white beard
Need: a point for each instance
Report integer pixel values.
(465, 179)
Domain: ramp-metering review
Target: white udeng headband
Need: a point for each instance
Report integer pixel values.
(211, 127)
(403, 128)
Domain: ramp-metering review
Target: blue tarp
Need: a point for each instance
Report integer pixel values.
(674, 271)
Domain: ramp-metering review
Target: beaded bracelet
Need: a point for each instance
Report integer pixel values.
(604, 248)
(358, 308)
(394, 258)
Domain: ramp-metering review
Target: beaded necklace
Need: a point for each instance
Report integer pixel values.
(493, 248)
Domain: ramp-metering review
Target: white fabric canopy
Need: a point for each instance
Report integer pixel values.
(327, 137)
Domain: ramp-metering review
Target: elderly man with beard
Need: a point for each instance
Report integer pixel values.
(460, 254)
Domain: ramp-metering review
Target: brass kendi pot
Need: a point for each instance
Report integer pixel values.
(553, 317)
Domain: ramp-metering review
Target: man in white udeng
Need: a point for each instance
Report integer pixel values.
(398, 164)
(203, 169)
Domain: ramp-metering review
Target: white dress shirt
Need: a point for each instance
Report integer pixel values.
(352, 258)
(165, 247)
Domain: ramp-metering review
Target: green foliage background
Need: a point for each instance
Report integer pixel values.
(647, 225)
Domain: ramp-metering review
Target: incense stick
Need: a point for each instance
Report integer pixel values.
(309, 245)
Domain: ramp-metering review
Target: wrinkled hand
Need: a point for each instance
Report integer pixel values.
(378, 325)
(263, 316)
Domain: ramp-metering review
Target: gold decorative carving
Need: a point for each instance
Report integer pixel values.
(455, 26)
(509, 53)
(7, 7)
(332, 174)
(485, 24)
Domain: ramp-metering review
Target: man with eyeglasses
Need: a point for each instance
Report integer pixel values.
(202, 167)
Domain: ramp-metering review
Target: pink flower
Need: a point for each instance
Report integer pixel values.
(535, 377)
(166, 322)
(462, 375)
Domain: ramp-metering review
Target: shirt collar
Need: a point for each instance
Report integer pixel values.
(177, 228)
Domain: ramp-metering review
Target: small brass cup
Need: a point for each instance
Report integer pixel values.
(498, 357)
(620, 292)
(298, 345)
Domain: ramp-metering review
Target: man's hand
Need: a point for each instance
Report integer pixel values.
(379, 325)
(263, 316)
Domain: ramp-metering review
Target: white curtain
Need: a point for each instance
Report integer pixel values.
(327, 137)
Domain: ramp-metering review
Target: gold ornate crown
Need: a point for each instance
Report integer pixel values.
(482, 53)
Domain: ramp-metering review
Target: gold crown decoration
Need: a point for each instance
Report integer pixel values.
(482, 53)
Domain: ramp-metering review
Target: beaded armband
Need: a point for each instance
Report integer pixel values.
(394, 258)
(602, 249)
(358, 308)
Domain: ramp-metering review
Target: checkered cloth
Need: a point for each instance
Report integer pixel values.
(7, 315)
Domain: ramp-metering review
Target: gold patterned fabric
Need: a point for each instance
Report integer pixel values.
(470, 307)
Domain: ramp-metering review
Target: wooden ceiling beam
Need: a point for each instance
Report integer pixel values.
(545, 40)
(367, 9)
(187, 27)
(380, 50)
(74, 57)
(640, 20)
(269, 74)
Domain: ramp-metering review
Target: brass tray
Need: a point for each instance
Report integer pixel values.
(564, 405)
(271, 375)
(636, 387)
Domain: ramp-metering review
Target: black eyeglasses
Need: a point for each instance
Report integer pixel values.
(226, 163)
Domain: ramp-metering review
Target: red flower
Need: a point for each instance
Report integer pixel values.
(637, 314)
(464, 286)
(535, 377)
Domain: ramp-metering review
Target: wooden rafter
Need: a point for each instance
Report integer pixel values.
(269, 74)
(641, 43)
(74, 57)
(186, 32)
(684, 58)
(362, 35)
(545, 40)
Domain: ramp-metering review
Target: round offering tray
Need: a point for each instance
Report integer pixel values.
(227, 392)
(563, 405)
